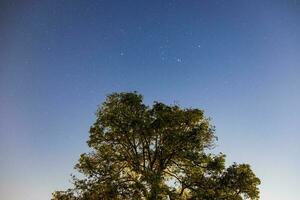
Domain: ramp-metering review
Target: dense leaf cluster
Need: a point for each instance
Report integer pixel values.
(158, 152)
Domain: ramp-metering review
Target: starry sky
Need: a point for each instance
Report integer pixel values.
(237, 59)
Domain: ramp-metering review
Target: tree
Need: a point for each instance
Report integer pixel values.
(158, 152)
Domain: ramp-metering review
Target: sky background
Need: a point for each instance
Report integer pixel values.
(237, 60)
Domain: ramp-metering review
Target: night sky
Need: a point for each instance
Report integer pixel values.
(238, 60)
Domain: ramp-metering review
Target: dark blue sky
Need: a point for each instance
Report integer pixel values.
(238, 60)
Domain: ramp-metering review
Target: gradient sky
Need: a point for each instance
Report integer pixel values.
(237, 60)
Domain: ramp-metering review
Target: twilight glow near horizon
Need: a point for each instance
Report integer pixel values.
(238, 60)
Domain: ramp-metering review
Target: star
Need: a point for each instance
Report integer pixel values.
(179, 60)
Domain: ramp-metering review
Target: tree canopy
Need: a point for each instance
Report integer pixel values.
(155, 152)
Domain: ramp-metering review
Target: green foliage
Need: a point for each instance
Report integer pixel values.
(158, 152)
